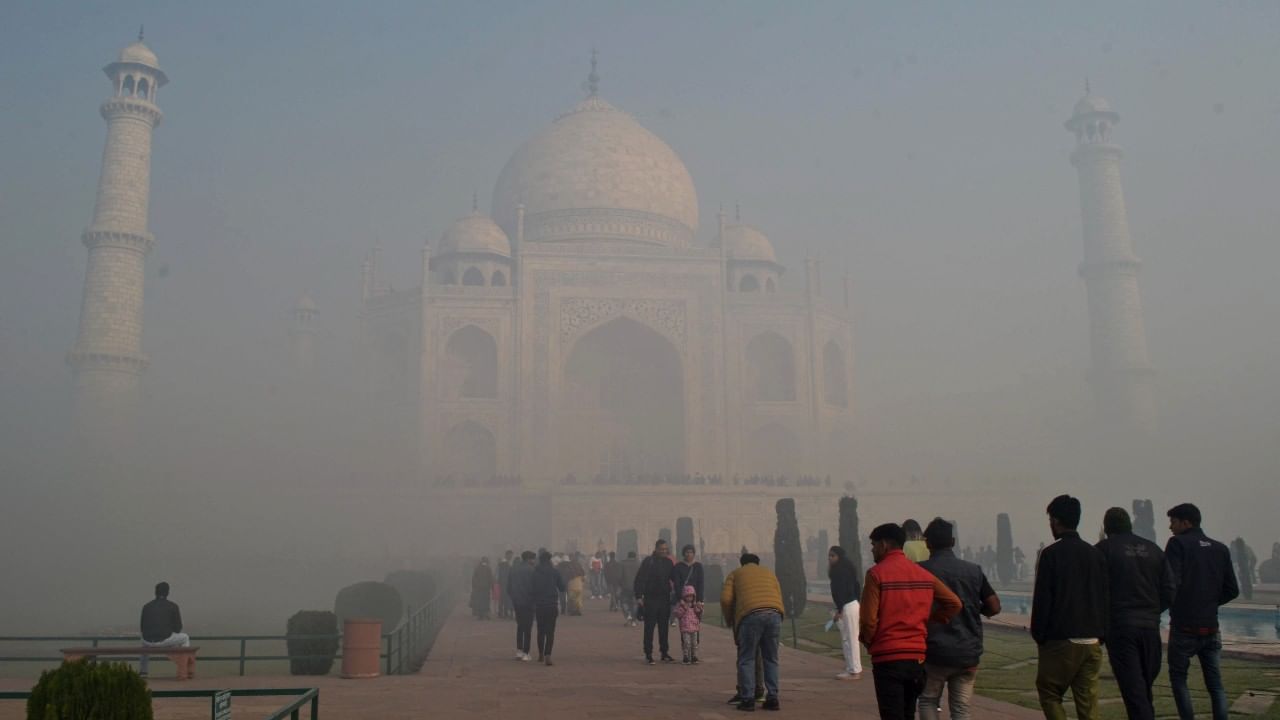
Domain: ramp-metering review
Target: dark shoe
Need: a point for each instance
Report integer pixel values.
(547, 660)
(693, 660)
(734, 700)
(747, 706)
(649, 659)
(541, 657)
(667, 658)
(772, 704)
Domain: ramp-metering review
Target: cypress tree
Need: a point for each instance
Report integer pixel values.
(1004, 548)
(789, 558)
(849, 539)
(628, 542)
(684, 535)
(665, 534)
(1144, 520)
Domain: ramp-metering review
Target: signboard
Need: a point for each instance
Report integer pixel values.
(222, 705)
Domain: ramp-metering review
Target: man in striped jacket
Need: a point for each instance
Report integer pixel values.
(899, 600)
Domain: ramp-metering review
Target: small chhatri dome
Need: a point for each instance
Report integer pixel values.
(1092, 104)
(306, 303)
(747, 244)
(475, 234)
(1091, 109)
(139, 54)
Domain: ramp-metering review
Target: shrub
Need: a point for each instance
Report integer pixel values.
(370, 599)
(416, 586)
(322, 650)
(87, 690)
(789, 559)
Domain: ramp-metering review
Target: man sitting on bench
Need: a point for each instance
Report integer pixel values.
(161, 625)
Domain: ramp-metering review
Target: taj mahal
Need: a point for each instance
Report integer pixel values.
(589, 343)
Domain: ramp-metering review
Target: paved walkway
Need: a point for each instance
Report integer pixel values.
(599, 673)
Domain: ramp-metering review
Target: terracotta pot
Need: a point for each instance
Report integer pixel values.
(361, 646)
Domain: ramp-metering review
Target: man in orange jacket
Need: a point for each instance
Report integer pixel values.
(898, 602)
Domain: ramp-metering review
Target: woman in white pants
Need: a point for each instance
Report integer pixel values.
(846, 588)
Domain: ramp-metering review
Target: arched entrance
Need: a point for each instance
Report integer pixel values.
(624, 403)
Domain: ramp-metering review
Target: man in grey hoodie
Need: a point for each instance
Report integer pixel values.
(520, 590)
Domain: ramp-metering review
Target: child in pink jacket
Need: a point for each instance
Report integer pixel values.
(689, 613)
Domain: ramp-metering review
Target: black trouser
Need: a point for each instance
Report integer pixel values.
(524, 627)
(898, 686)
(1135, 661)
(657, 613)
(546, 628)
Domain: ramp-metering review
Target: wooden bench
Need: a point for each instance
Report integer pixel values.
(184, 658)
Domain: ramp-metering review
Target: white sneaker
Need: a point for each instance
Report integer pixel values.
(519, 655)
(849, 676)
(524, 657)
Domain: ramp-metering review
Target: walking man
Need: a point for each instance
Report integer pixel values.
(652, 590)
(161, 625)
(1141, 587)
(955, 648)
(752, 598)
(547, 586)
(627, 571)
(520, 593)
(1069, 615)
(1203, 580)
(899, 599)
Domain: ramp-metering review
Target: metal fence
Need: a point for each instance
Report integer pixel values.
(404, 648)
(292, 710)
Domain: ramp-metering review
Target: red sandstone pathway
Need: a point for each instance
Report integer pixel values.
(598, 674)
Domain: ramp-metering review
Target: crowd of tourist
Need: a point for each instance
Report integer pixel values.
(918, 611)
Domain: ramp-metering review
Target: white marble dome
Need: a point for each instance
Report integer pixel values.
(596, 173)
(745, 243)
(475, 234)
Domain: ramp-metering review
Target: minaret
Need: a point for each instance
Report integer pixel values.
(1121, 374)
(302, 336)
(107, 357)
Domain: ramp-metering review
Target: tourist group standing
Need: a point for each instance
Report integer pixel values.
(919, 612)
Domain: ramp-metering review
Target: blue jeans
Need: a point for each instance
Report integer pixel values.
(760, 630)
(1208, 648)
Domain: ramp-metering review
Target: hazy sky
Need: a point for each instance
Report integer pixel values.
(921, 144)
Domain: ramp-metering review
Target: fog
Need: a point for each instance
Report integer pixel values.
(918, 148)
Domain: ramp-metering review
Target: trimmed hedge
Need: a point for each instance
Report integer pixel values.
(370, 599)
(87, 690)
(416, 586)
(312, 622)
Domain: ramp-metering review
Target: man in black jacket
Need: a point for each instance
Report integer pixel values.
(652, 589)
(161, 625)
(1203, 580)
(547, 586)
(1069, 615)
(1141, 588)
(520, 593)
(954, 648)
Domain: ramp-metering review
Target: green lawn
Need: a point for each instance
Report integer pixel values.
(1009, 670)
